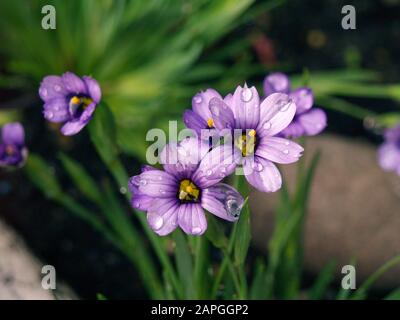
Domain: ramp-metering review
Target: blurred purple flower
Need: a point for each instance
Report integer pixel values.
(253, 127)
(189, 183)
(389, 151)
(308, 121)
(12, 146)
(70, 100)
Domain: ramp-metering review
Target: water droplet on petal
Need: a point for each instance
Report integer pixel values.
(57, 88)
(43, 92)
(142, 182)
(246, 94)
(232, 207)
(223, 169)
(196, 230)
(198, 99)
(156, 221)
(283, 105)
(286, 151)
(267, 125)
(287, 143)
(162, 191)
(49, 115)
(209, 173)
(122, 190)
(214, 110)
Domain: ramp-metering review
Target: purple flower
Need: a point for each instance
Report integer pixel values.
(12, 146)
(389, 151)
(308, 121)
(189, 183)
(254, 127)
(70, 100)
(199, 118)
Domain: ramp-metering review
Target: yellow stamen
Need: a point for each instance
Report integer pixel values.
(75, 100)
(188, 191)
(252, 133)
(210, 123)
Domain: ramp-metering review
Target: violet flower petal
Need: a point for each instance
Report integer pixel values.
(389, 156)
(223, 201)
(93, 88)
(276, 113)
(56, 110)
(201, 101)
(246, 107)
(73, 83)
(194, 121)
(276, 82)
(182, 159)
(162, 216)
(313, 121)
(222, 115)
(262, 174)
(303, 98)
(157, 183)
(13, 133)
(191, 218)
(279, 150)
(52, 87)
(216, 165)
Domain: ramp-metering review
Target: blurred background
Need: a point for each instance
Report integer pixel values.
(150, 58)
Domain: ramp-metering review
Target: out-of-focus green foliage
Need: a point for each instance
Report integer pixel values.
(145, 53)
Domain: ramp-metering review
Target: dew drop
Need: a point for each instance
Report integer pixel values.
(49, 115)
(196, 230)
(283, 105)
(156, 221)
(286, 151)
(214, 110)
(223, 169)
(142, 182)
(122, 190)
(57, 88)
(232, 207)
(287, 143)
(162, 191)
(209, 173)
(43, 92)
(267, 125)
(246, 94)
(198, 99)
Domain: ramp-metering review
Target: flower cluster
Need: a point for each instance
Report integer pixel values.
(251, 133)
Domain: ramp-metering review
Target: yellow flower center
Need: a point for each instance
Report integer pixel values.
(188, 191)
(79, 104)
(246, 143)
(210, 123)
